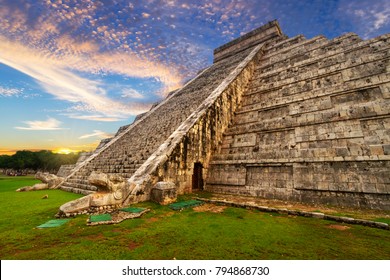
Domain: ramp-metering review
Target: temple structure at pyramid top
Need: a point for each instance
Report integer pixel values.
(284, 118)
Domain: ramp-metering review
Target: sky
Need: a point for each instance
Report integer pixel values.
(73, 71)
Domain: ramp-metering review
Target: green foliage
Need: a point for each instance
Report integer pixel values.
(41, 160)
(162, 233)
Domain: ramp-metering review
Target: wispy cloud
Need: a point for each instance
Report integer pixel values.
(131, 93)
(86, 112)
(99, 118)
(7, 92)
(49, 124)
(367, 16)
(97, 134)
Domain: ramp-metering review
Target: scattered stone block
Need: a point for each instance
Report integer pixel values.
(36, 187)
(164, 193)
(52, 181)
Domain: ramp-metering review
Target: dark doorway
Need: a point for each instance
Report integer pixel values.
(197, 178)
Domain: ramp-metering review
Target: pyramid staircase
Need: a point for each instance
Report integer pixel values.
(132, 146)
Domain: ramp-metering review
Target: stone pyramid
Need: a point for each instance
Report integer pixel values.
(276, 117)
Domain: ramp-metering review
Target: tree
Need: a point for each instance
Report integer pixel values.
(4, 161)
(42, 160)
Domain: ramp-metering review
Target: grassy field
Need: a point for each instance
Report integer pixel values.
(163, 233)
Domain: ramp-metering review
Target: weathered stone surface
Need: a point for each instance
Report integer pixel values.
(75, 206)
(164, 193)
(65, 170)
(106, 182)
(36, 187)
(258, 36)
(50, 181)
(53, 181)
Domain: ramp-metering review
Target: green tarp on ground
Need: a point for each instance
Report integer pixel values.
(100, 218)
(54, 223)
(185, 204)
(132, 209)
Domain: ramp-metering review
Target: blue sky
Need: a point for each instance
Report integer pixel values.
(73, 71)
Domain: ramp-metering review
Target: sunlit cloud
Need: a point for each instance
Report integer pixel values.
(99, 118)
(57, 80)
(145, 15)
(49, 124)
(96, 134)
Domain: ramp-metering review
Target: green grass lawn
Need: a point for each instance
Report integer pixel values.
(166, 234)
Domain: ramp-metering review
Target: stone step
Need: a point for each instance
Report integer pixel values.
(324, 64)
(355, 104)
(350, 52)
(77, 181)
(371, 64)
(315, 47)
(338, 154)
(275, 47)
(334, 116)
(268, 99)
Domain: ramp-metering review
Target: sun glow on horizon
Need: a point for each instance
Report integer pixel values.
(64, 151)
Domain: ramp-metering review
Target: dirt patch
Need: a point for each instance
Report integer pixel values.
(158, 218)
(95, 237)
(133, 245)
(339, 227)
(209, 208)
(168, 214)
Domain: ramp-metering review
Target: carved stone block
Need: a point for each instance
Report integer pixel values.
(164, 193)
